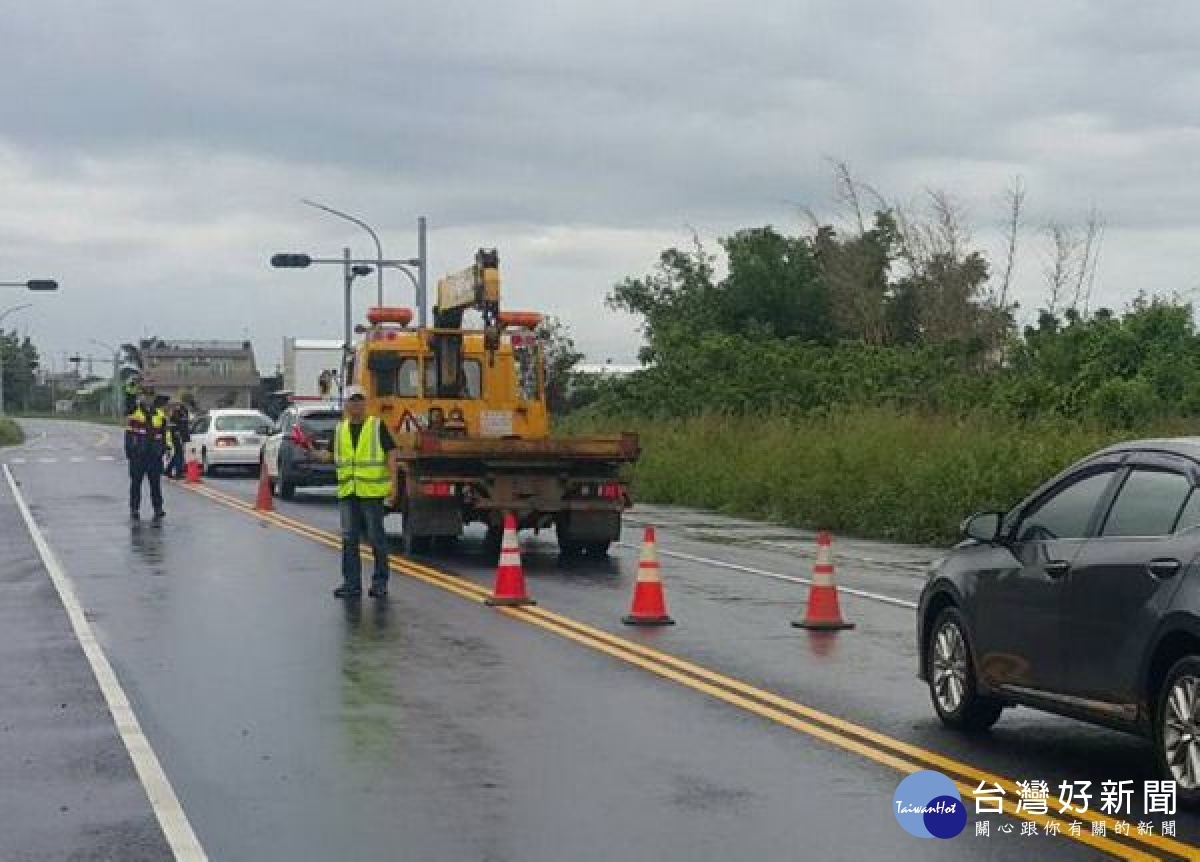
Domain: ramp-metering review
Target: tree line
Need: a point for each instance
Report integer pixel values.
(897, 306)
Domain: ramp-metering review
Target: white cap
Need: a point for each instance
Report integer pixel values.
(353, 392)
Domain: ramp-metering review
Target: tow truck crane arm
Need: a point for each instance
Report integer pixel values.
(478, 287)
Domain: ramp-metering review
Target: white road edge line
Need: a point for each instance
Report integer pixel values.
(171, 817)
(750, 570)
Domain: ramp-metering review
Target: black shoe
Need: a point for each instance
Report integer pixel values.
(135, 515)
(378, 591)
(158, 516)
(347, 593)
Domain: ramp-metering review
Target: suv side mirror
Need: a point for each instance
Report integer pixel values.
(983, 526)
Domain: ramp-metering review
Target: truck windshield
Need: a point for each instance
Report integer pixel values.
(472, 379)
(403, 381)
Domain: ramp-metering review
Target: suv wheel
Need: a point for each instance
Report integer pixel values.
(951, 671)
(1177, 731)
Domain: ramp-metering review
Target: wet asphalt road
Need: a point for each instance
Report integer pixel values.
(432, 727)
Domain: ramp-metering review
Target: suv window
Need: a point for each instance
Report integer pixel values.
(1065, 514)
(1148, 504)
(316, 423)
(200, 426)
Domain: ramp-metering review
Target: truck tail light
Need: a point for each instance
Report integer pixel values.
(612, 491)
(223, 442)
(436, 489)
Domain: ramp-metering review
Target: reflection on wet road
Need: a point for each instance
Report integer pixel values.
(431, 727)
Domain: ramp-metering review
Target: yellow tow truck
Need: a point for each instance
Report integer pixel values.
(467, 409)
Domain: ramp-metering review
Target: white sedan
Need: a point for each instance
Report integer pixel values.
(230, 438)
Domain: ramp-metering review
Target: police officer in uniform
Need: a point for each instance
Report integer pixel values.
(146, 443)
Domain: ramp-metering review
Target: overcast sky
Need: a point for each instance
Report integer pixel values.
(153, 154)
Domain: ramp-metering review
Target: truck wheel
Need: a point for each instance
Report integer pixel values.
(570, 548)
(598, 548)
(409, 541)
(493, 540)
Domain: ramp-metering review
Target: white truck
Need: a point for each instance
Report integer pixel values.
(311, 368)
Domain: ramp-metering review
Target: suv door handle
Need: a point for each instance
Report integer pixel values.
(1056, 568)
(1164, 568)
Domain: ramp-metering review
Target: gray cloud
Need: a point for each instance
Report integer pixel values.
(152, 154)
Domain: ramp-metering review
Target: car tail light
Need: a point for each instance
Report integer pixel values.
(437, 489)
(612, 491)
(300, 438)
(222, 442)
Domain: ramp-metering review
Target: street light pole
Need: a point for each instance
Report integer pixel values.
(362, 224)
(423, 272)
(116, 375)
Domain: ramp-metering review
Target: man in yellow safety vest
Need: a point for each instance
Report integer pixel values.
(364, 452)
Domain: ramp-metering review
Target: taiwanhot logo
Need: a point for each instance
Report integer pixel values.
(927, 805)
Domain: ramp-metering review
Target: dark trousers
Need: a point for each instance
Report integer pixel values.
(149, 469)
(362, 517)
(175, 466)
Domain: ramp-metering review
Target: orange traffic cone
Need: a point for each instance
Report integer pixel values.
(192, 470)
(823, 612)
(264, 503)
(510, 576)
(649, 603)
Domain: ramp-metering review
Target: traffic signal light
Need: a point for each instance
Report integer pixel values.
(291, 261)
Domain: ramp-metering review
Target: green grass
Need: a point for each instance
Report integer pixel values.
(95, 419)
(866, 473)
(10, 433)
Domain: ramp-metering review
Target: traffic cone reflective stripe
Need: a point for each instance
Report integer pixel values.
(649, 601)
(510, 590)
(823, 612)
(264, 503)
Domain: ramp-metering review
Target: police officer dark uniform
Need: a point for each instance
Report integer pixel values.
(146, 443)
(181, 435)
(132, 390)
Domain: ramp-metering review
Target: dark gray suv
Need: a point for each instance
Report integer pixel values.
(1084, 600)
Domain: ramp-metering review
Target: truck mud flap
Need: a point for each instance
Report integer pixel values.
(589, 526)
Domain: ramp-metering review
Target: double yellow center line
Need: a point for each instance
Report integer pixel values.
(880, 748)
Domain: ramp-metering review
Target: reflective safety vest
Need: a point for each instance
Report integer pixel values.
(361, 470)
(146, 436)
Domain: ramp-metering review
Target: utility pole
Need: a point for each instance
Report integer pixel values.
(422, 274)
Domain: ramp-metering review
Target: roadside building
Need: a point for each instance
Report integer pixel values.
(213, 373)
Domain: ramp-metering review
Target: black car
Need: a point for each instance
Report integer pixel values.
(288, 455)
(1084, 600)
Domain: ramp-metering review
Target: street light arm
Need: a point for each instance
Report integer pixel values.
(362, 224)
(404, 269)
(15, 308)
